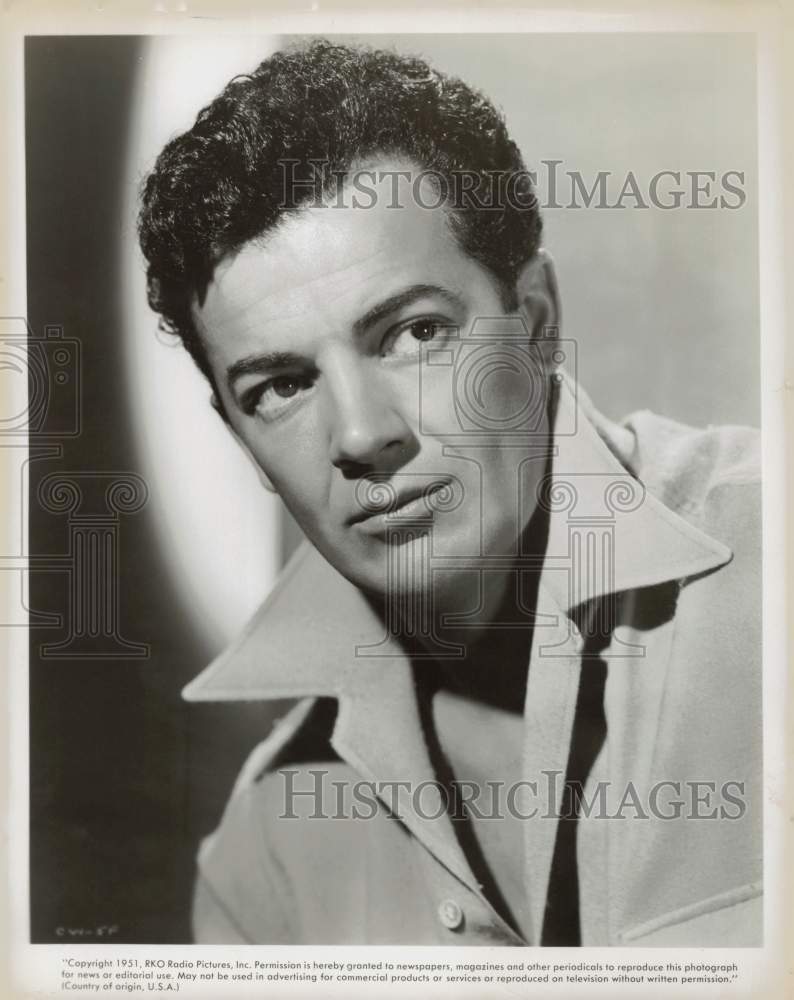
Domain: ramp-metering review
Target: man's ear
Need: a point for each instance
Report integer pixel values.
(539, 302)
(261, 475)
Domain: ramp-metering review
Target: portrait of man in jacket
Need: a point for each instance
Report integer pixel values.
(524, 641)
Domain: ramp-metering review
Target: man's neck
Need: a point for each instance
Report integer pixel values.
(496, 642)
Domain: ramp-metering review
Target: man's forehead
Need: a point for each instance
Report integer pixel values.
(335, 256)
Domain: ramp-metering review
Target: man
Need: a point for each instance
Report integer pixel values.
(525, 639)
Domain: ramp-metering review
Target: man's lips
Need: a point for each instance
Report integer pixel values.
(381, 502)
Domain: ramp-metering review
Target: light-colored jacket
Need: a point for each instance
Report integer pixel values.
(671, 519)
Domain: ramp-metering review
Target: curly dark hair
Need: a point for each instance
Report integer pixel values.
(321, 107)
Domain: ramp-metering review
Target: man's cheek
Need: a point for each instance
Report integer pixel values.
(434, 407)
(299, 500)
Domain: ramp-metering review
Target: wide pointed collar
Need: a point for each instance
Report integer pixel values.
(608, 531)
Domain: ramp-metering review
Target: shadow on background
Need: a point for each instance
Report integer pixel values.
(124, 776)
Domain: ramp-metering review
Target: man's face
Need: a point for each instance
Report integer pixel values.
(343, 345)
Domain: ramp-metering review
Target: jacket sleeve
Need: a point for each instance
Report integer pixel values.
(242, 895)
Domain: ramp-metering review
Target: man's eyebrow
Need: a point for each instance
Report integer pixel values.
(402, 299)
(260, 364)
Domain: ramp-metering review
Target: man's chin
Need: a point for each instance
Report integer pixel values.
(412, 562)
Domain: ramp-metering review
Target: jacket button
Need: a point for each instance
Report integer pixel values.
(450, 914)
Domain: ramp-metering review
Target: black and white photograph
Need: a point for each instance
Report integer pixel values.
(391, 541)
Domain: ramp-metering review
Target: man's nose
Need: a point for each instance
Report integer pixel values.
(368, 433)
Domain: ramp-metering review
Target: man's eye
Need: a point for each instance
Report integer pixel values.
(407, 341)
(278, 394)
(285, 386)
